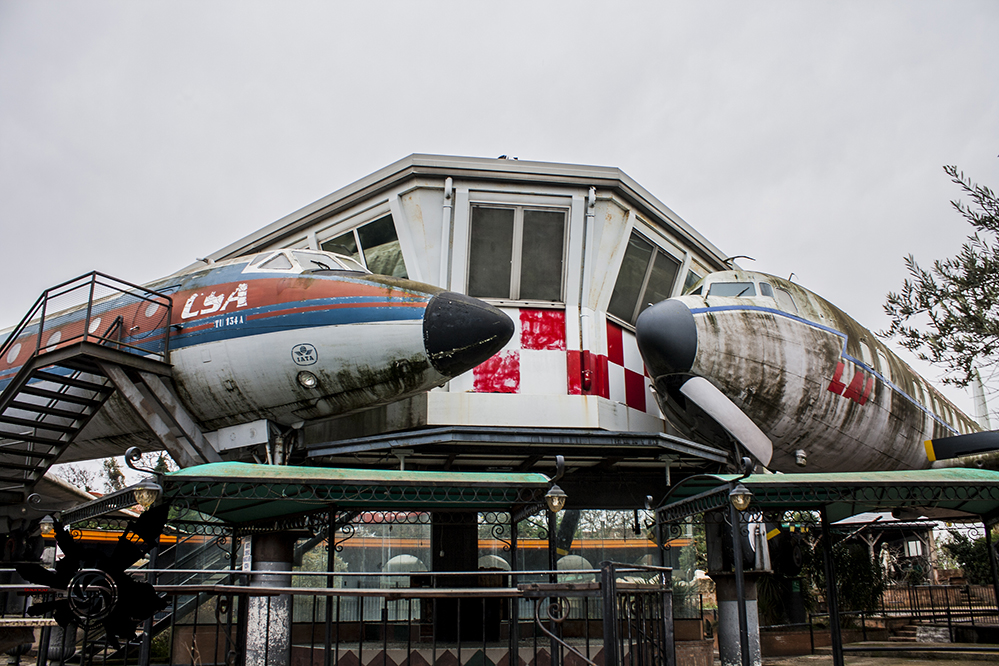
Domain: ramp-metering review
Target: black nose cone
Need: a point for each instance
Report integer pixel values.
(460, 332)
(667, 338)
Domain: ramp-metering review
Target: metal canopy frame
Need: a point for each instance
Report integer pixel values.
(242, 493)
(971, 492)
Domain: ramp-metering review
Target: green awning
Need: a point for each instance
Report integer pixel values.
(968, 491)
(241, 493)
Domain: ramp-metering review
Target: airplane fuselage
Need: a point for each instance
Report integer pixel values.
(243, 334)
(821, 387)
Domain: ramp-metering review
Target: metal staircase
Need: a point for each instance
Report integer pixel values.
(82, 341)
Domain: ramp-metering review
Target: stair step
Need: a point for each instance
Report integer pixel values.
(55, 395)
(6, 464)
(33, 439)
(71, 381)
(21, 453)
(51, 411)
(28, 423)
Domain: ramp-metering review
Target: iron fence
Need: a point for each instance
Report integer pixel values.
(620, 617)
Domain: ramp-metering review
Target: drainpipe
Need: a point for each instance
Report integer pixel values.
(585, 373)
(446, 233)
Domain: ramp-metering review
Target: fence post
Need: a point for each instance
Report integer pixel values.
(608, 589)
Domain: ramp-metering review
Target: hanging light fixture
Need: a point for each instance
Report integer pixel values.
(147, 492)
(555, 498)
(740, 497)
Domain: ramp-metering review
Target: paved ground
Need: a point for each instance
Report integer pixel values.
(941, 658)
(826, 660)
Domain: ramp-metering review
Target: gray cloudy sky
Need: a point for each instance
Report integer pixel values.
(137, 136)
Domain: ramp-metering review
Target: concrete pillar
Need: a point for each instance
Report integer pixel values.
(729, 646)
(268, 619)
(721, 566)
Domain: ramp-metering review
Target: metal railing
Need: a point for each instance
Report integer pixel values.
(97, 308)
(620, 617)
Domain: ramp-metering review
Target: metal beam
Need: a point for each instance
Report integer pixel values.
(176, 411)
(180, 449)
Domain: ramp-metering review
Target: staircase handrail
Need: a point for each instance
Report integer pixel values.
(37, 313)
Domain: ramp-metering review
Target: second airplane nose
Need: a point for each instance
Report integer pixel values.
(460, 332)
(667, 338)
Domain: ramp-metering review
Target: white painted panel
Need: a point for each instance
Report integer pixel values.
(542, 371)
(513, 409)
(615, 381)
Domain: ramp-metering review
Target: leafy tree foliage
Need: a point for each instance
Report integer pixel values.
(972, 556)
(114, 478)
(79, 476)
(958, 299)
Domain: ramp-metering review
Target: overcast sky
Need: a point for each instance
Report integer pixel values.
(135, 137)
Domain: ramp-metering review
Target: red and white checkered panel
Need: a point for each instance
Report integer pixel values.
(539, 359)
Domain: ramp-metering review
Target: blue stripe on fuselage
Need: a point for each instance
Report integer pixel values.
(843, 354)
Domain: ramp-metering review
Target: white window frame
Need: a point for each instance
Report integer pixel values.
(520, 203)
(650, 236)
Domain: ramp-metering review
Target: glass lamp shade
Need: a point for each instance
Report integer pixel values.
(555, 499)
(740, 497)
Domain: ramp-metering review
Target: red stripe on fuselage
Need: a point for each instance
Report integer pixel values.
(338, 306)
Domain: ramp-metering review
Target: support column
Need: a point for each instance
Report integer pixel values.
(268, 619)
(729, 632)
(722, 554)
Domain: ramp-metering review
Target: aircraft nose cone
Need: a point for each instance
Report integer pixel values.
(459, 332)
(667, 338)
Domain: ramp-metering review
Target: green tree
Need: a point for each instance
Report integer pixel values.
(79, 476)
(949, 314)
(972, 556)
(114, 478)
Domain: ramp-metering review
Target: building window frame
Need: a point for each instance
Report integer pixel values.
(515, 288)
(657, 247)
(354, 229)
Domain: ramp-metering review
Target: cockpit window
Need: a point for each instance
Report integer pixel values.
(260, 258)
(313, 261)
(352, 265)
(732, 289)
(766, 289)
(279, 262)
(786, 302)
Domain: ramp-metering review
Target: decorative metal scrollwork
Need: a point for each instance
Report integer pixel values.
(499, 532)
(556, 610)
(348, 531)
(92, 595)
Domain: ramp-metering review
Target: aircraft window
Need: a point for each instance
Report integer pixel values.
(279, 262)
(766, 290)
(312, 261)
(351, 264)
(647, 276)
(732, 289)
(785, 301)
(374, 245)
(883, 365)
(516, 253)
(260, 258)
(865, 354)
(690, 281)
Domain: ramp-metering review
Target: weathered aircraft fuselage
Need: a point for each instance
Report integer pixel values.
(818, 384)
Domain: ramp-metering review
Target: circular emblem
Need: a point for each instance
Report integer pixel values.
(304, 354)
(92, 595)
